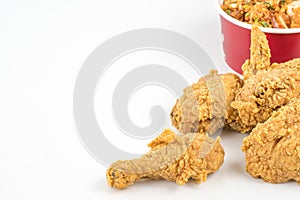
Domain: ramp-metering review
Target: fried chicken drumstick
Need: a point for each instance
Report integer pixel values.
(273, 148)
(172, 157)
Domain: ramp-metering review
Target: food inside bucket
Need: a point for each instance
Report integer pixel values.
(265, 13)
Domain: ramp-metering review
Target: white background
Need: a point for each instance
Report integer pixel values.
(42, 47)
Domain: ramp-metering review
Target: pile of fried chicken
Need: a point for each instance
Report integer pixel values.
(265, 104)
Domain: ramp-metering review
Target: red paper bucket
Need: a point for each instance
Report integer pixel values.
(284, 43)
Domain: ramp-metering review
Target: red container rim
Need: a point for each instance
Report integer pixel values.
(248, 26)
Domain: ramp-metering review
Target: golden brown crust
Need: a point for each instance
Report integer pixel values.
(267, 87)
(260, 54)
(172, 157)
(267, 91)
(294, 63)
(166, 137)
(273, 148)
(205, 106)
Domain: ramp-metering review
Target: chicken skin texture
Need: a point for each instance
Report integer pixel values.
(260, 54)
(172, 157)
(273, 147)
(267, 86)
(206, 105)
(265, 92)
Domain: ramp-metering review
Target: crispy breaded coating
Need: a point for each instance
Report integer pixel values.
(267, 87)
(172, 157)
(260, 54)
(205, 106)
(295, 63)
(267, 91)
(273, 148)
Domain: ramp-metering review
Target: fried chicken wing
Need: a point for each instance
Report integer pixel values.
(205, 106)
(266, 92)
(260, 54)
(267, 87)
(172, 157)
(272, 149)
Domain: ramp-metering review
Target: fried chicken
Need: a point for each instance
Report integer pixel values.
(205, 106)
(260, 54)
(273, 148)
(172, 157)
(266, 92)
(267, 86)
(295, 63)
